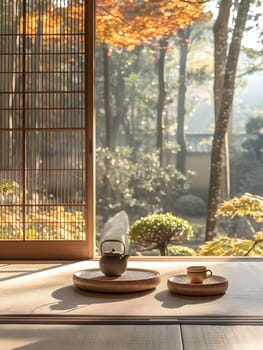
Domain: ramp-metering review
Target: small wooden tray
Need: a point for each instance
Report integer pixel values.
(214, 285)
(133, 280)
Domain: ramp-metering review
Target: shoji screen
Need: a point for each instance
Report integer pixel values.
(44, 123)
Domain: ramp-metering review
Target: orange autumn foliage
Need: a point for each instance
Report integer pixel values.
(131, 23)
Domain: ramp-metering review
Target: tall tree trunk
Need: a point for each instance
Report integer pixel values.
(108, 112)
(224, 114)
(120, 117)
(180, 133)
(220, 52)
(107, 104)
(220, 55)
(161, 98)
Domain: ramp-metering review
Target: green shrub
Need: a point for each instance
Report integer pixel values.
(138, 186)
(190, 205)
(157, 231)
(252, 180)
(178, 250)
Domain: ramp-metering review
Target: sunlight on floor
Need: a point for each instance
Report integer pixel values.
(10, 270)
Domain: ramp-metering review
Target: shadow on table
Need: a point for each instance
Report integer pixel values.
(70, 298)
(171, 301)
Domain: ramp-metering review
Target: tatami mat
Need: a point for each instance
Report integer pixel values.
(218, 337)
(130, 337)
(91, 337)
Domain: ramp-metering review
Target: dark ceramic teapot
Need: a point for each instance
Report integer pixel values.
(113, 263)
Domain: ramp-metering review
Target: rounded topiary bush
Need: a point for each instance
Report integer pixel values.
(190, 205)
(157, 231)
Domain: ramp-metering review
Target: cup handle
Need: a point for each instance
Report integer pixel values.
(209, 272)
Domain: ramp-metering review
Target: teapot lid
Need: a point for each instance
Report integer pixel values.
(113, 250)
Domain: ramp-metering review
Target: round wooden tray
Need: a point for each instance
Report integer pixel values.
(133, 280)
(214, 285)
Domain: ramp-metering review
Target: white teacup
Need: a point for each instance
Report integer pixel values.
(197, 274)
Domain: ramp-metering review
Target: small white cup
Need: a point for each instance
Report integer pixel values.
(197, 274)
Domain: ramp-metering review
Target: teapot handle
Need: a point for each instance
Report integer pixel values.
(112, 240)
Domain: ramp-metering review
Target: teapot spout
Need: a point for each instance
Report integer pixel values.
(125, 258)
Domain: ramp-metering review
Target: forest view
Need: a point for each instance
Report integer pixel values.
(179, 123)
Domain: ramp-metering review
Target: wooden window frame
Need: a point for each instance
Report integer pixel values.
(70, 249)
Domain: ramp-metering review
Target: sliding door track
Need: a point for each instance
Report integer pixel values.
(86, 319)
